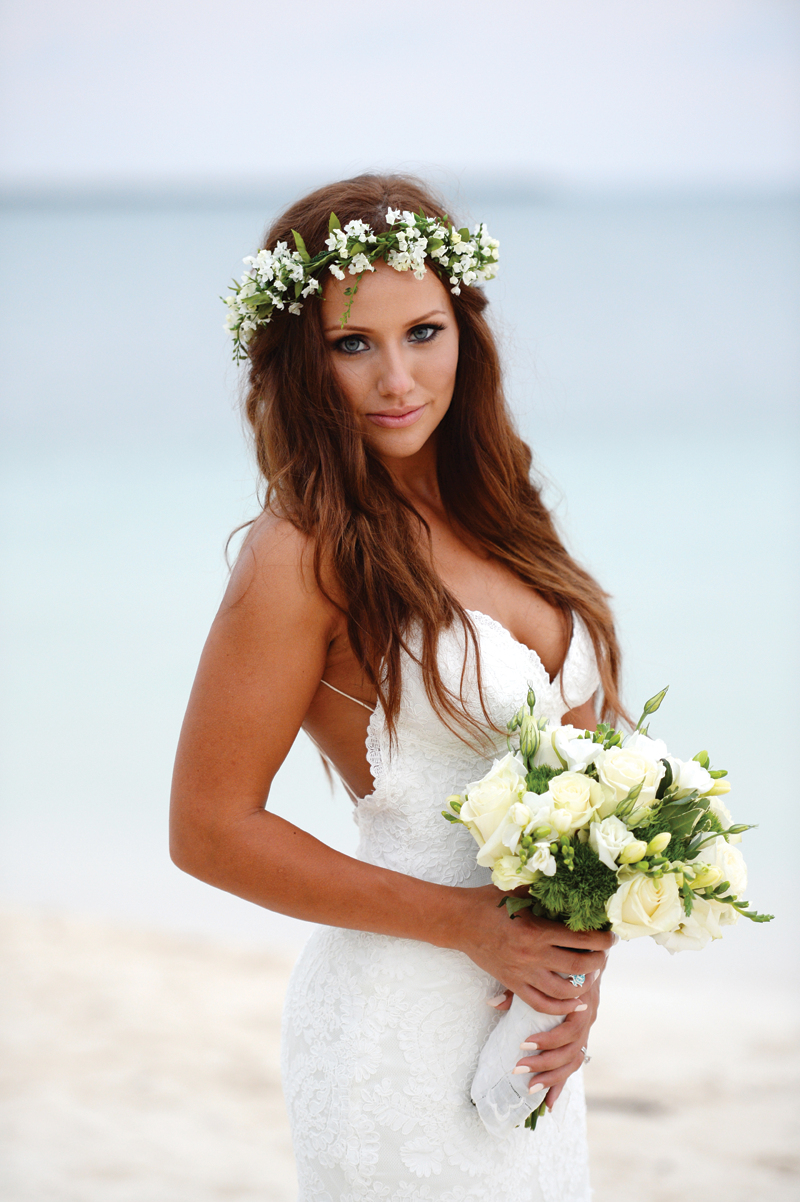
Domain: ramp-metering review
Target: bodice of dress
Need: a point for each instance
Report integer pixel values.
(400, 822)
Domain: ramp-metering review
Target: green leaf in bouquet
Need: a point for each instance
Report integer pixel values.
(717, 773)
(651, 706)
(514, 904)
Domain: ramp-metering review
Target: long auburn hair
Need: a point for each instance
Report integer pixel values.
(371, 550)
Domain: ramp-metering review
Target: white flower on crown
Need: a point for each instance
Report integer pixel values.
(359, 264)
(269, 273)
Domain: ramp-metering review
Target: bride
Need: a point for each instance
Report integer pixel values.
(403, 587)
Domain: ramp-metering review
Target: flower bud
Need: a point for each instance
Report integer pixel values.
(720, 787)
(658, 843)
(632, 852)
(455, 801)
(706, 877)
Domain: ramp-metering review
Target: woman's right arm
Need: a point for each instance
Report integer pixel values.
(259, 671)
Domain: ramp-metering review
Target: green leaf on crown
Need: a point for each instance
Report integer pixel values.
(333, 223)
(301, 247)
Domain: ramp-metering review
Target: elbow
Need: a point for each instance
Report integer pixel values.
(190, 846)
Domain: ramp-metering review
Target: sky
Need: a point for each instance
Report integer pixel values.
(587, 93)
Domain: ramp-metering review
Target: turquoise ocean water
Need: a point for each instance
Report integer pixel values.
(653, 365)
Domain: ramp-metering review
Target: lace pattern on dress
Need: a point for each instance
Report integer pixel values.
(382, 1035)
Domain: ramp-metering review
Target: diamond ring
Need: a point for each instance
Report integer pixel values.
(586, 1056)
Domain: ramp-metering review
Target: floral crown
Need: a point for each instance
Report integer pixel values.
(283, 278)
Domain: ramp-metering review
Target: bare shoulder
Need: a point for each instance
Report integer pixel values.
(274, 575)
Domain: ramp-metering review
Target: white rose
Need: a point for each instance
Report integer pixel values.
(486, 810)
(621, 769)
(508, 873)
(730, 862)
(574, 794)
(688, 775)
(694, 932)
(644, 906)
(607, 839)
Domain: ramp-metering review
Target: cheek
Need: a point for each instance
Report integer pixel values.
(350, 380)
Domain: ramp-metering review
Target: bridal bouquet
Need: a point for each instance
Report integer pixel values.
(605, 831)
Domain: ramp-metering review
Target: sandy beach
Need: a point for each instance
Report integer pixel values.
(140, 1066)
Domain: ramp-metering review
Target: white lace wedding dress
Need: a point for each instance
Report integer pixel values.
(382, 1035)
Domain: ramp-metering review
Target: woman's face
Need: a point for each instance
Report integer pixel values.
(396, 358)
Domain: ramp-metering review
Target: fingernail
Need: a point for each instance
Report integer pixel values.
(582, 1007)
(521, 1068)
(495, 1001)
(535, 1088)
(595, 974)
(529, 1047)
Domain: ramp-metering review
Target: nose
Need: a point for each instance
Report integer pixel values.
(394, 377)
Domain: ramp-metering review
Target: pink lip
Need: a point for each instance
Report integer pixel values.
(393, 419)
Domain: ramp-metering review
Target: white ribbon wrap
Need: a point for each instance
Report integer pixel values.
(501, 1097)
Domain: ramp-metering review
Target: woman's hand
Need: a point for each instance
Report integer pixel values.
(560, 1051)
(527, 954)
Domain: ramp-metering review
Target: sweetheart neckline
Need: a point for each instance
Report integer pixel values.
(479, 613)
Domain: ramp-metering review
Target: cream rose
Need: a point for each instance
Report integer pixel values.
(621, 769)
(486, 809)
(607, 839)
(695, 931)
(509, 873)
(574, 794)
(643, 905)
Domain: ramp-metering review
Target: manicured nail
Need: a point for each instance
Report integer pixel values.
(535, 1088)
(529, 1047)
(495, 1001)
(581, 1007)
(521, 1068)
(595, 975)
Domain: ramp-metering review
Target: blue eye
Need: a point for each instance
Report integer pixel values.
(424, 333)
(351, 345)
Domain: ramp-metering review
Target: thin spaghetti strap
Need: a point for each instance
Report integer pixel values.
(347, 695)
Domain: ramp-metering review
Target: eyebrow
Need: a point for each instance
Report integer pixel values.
(348, 329)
